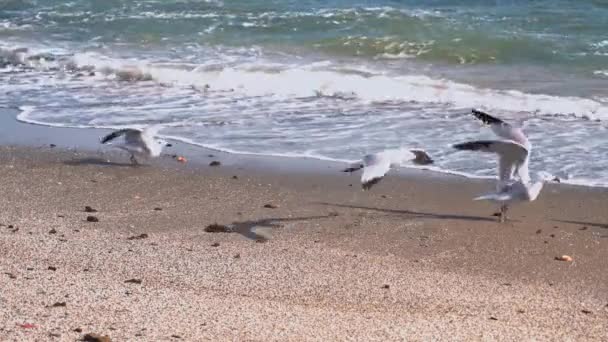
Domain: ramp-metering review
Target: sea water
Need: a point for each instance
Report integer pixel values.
(331, 79)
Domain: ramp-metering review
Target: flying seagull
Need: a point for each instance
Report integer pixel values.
(514, 183)
(375, 166)
(139, 143)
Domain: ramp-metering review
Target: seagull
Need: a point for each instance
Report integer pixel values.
(514, 183)
(375, 166)
(516, 192)
(139, 143)
(507, 167)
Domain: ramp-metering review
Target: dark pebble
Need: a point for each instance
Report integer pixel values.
(169, 145)
(59, 304)
(583, 228)
(270, 206)
(493, 318)
(52, 268)
(539, 231)
(215, 163)
(215, 244)
(217, 228)
(386, 286)
(96, 338)
(52, 231)
(61, 216)
(237, 256)
(552, 235)
(78, 330)
(10, 275)
(133, 281)
(176, 336)
(586, 312)
(138, 237)
(210, 155)
(235, 177)
(158, 208)
(88, 209)
(52, 145)
(92, 219)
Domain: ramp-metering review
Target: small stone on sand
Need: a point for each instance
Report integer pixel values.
(215, 163)
(96, 338)
(52, 231)
(92, 219)
(88, 209)
(386, 286)
(52, 268)
(215, 244)
(539, 231)
(586, 312)
(158, 208)
(133, 281)
(583, 228)
(217, 228)
(59, 304)
(270, 206)
(138, 237)
(564, 258)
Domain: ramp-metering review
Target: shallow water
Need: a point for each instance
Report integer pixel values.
(327, 79)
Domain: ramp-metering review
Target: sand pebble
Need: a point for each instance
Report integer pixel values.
(52, 231)
(96, 338)
(386, 286)
(59, 304)
(217, 228)
(564, 258)
(215, 163)
(586, 312)
(88, 209)
(52, 268)
(270, 206)
(138, 237)
(215, 244)
(158, 208)
(92, 219)
(133, 281)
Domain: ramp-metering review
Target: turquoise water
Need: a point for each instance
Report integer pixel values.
(329, 79)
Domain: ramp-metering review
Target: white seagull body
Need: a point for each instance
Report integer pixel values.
(514, 183)
(139, 143)
(375, 166)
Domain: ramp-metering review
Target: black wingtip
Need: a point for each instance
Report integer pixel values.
(422, 158)
(485, 117)
(472, 145)
(353, 168)
(109, 137)
(368, 185)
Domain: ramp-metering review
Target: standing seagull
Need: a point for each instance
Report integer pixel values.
(139, 143)
(514, 184)
(375, 166)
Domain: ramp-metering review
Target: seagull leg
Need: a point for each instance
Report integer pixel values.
(503, 214)
(134, 160)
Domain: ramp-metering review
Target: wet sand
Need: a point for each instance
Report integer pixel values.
(309, 255)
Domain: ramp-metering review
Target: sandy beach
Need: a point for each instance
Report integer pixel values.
(308, 255)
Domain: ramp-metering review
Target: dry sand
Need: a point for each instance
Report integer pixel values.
(412, 259)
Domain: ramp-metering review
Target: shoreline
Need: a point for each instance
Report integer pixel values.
(15, 132)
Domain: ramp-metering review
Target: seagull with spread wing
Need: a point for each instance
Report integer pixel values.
(375, 166)
(514, 183)
(139, 143)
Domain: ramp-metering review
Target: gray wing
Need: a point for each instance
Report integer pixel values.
(511, 155)
(127, 132)
(502, 128)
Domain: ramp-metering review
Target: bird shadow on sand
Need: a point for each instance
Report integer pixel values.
(414, 214)
(98, 162)
(582, 223)
(247, 228)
